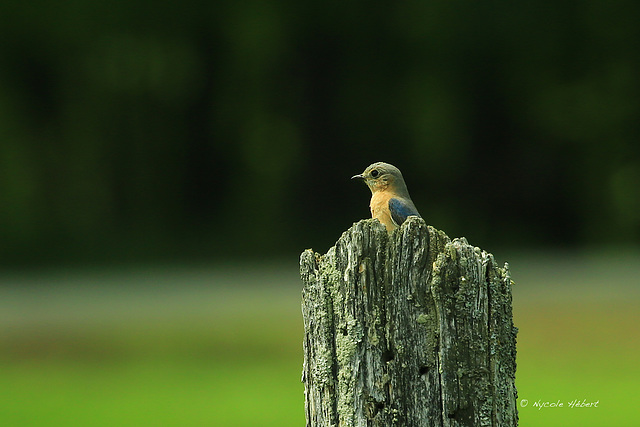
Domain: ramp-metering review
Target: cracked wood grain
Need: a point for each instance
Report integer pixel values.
(407, 329)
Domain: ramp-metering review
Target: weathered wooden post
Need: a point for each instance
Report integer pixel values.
(408, 329)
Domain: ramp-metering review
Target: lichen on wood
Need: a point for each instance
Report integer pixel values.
(407, 329)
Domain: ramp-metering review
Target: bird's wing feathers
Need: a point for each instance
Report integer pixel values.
(400, 210)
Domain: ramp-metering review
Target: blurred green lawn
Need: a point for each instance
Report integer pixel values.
(193, 346)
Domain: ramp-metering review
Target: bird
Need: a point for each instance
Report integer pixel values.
(390, 200)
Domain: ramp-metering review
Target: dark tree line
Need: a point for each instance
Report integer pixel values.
(134, 128)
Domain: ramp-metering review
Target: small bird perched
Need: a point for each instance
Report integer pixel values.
(390, 200)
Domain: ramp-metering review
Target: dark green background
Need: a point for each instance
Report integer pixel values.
(132, 130)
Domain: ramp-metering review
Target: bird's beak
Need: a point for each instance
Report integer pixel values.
(359, 176)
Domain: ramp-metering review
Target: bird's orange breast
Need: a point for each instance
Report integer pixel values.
(380, 208)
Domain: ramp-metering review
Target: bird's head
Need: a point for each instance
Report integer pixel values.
(382, 176)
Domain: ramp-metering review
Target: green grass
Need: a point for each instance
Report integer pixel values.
(231, 354)
(152, 393)
(588, 352)
(177, 375)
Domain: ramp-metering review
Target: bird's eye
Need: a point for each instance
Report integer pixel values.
(375, 173)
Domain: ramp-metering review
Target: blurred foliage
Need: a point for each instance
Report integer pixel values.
(133, 129)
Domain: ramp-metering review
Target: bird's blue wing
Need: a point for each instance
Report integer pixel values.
(400, 210)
